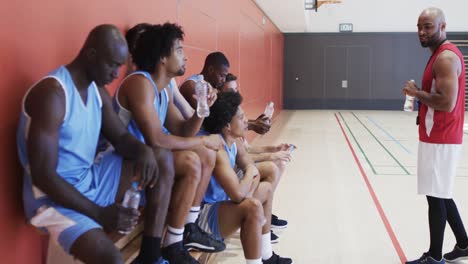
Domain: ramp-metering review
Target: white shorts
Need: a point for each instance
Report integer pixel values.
(437, 168)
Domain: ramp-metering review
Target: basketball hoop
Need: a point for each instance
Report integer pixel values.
(315, 4)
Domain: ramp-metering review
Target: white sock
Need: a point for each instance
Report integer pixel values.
(253, 261)
(193, 214)
(173, 235)
(267, 251)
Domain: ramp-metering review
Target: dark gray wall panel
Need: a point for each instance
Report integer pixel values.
(376, 66)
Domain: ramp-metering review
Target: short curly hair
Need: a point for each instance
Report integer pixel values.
(222, 112)
(154, 43)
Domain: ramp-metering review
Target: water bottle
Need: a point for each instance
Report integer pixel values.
(201, 89)
(291, 148)
(131, 200)
(409, 102)
(269, 109)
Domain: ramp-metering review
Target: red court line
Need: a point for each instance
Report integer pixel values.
(387, 225)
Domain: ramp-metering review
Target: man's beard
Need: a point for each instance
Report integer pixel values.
(432, 41)
(180, 72)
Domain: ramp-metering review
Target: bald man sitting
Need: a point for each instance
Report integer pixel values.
(66, 191)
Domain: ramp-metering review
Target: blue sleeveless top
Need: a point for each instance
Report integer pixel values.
(78, 138)
(194, 77)
(215, 192)
(161, 103)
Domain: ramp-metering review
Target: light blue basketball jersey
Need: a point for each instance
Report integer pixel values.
(194, 77)
(161, 104)
(78, 137)
(215, 192)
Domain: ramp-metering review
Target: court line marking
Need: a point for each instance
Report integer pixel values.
(384, 218)
(380, 143)
(359, 145)
(389, 135)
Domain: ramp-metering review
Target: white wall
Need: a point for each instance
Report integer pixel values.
(384, 15)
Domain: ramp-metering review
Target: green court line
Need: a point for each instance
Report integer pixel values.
(357, 143)
(394, 174)
(389, 153)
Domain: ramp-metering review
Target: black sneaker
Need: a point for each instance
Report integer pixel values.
(275, 259)
(176, 254)
(274, 238)
(197, 239)
(426, 259)
(456, 254)
(278, 223)
(159, 261)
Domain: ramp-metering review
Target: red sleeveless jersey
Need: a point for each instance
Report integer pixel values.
(440, 127)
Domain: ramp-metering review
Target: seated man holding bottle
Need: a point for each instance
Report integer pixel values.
(231, 203)
(68, 193)
(145, 104)
(215, 71)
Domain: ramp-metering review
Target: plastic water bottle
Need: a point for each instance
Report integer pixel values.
(409, 102)
(131, 200)
(201, 89)
(269, 109)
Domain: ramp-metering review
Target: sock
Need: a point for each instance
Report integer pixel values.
(173, 235)
(253, 261)
(193, 214)
(267, 251)
(150, 250)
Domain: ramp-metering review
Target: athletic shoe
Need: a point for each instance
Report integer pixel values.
(426, 259)
(275, 259)
(159, 261)
(176, 253)
(278, 223)
(274, 238)
(456, 254)
(197, 239)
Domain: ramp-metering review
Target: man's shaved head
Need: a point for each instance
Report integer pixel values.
(431, 27)
(104, 51)
(435, 13)
(105, 37)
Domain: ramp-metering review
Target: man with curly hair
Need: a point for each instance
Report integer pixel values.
(231, 203)
(270, 159)
(145, 104)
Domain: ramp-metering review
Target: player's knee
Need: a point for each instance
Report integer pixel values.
(252, 210)
(191, 166)
(165, 161)
(270, 173)
(208, 157)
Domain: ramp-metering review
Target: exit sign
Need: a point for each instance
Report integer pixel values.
(346, 27)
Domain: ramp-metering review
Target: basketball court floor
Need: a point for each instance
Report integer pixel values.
(349, 193)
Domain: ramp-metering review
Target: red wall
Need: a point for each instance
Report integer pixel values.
(37, 36)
